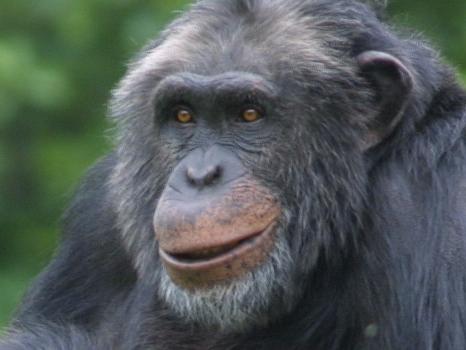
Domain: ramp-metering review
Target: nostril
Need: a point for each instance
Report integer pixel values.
(204, 177)
(191, 179)
(191, 176)
(213, 174)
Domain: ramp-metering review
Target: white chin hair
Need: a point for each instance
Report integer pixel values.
(237, 305)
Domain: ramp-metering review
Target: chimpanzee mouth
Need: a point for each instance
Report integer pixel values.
(214, 252)
(247, 250)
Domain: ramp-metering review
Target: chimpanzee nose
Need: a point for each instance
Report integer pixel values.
(204, 176)
(206, 171)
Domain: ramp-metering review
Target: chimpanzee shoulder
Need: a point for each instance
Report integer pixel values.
(91, 265)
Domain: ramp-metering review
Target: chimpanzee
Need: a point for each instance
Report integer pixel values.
(288, 174)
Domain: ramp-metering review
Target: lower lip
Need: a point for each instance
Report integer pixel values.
(241, 258)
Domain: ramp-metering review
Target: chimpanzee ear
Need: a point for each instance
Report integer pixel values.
(393, 84)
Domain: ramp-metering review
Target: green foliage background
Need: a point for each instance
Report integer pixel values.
(59, 59)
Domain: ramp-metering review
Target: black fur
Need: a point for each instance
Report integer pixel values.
(379, 235)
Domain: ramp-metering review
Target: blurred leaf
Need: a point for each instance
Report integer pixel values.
(16, 64)
(13, 282)
(8, 108)
(50, 89)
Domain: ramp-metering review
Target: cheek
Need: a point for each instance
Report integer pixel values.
(169, 152)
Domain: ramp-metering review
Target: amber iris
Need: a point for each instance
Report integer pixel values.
(183, 116)
(251, 115)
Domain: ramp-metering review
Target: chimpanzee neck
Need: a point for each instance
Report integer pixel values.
(328, 316)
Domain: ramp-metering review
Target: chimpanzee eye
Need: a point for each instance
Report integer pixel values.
(184, 116)
(251, 115)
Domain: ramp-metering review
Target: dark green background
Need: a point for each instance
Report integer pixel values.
(59, 59)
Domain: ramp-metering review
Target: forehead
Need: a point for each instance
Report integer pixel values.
(279, 40)
(267, 38)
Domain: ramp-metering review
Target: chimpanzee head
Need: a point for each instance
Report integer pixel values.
(243, 137)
